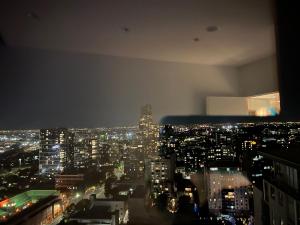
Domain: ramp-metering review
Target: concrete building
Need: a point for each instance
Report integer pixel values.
(281, 190)
(56, 150)
(227, 191)
(160, 174)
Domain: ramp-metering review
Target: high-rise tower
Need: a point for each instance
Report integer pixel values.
(148, 130)
(56, 150)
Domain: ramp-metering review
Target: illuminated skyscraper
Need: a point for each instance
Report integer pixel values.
(82, 154)
(56, 150)
(148, 131)
(146, 120)
(95, 148)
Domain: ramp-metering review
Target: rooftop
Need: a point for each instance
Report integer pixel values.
(96, 212)
(10, 206)
(289, 156)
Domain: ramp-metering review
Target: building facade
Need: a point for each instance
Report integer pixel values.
(281, 190)
(56, 150)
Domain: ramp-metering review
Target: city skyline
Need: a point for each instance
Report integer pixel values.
(214, 167)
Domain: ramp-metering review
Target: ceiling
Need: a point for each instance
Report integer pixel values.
(157, 29)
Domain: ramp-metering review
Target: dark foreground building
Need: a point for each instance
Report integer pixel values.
(279, 198)
(34, 207)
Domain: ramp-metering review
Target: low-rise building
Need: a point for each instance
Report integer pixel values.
(96, 215)
(117, 204)
(34, 207)
(68, 181)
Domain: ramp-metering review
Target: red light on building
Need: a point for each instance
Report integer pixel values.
(4, 202)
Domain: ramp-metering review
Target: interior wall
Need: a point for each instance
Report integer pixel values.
(52, 89)
(258, 77)
(227, 106)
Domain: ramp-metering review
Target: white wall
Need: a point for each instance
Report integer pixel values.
(258, 77)
(42, 88)
(229, 106)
